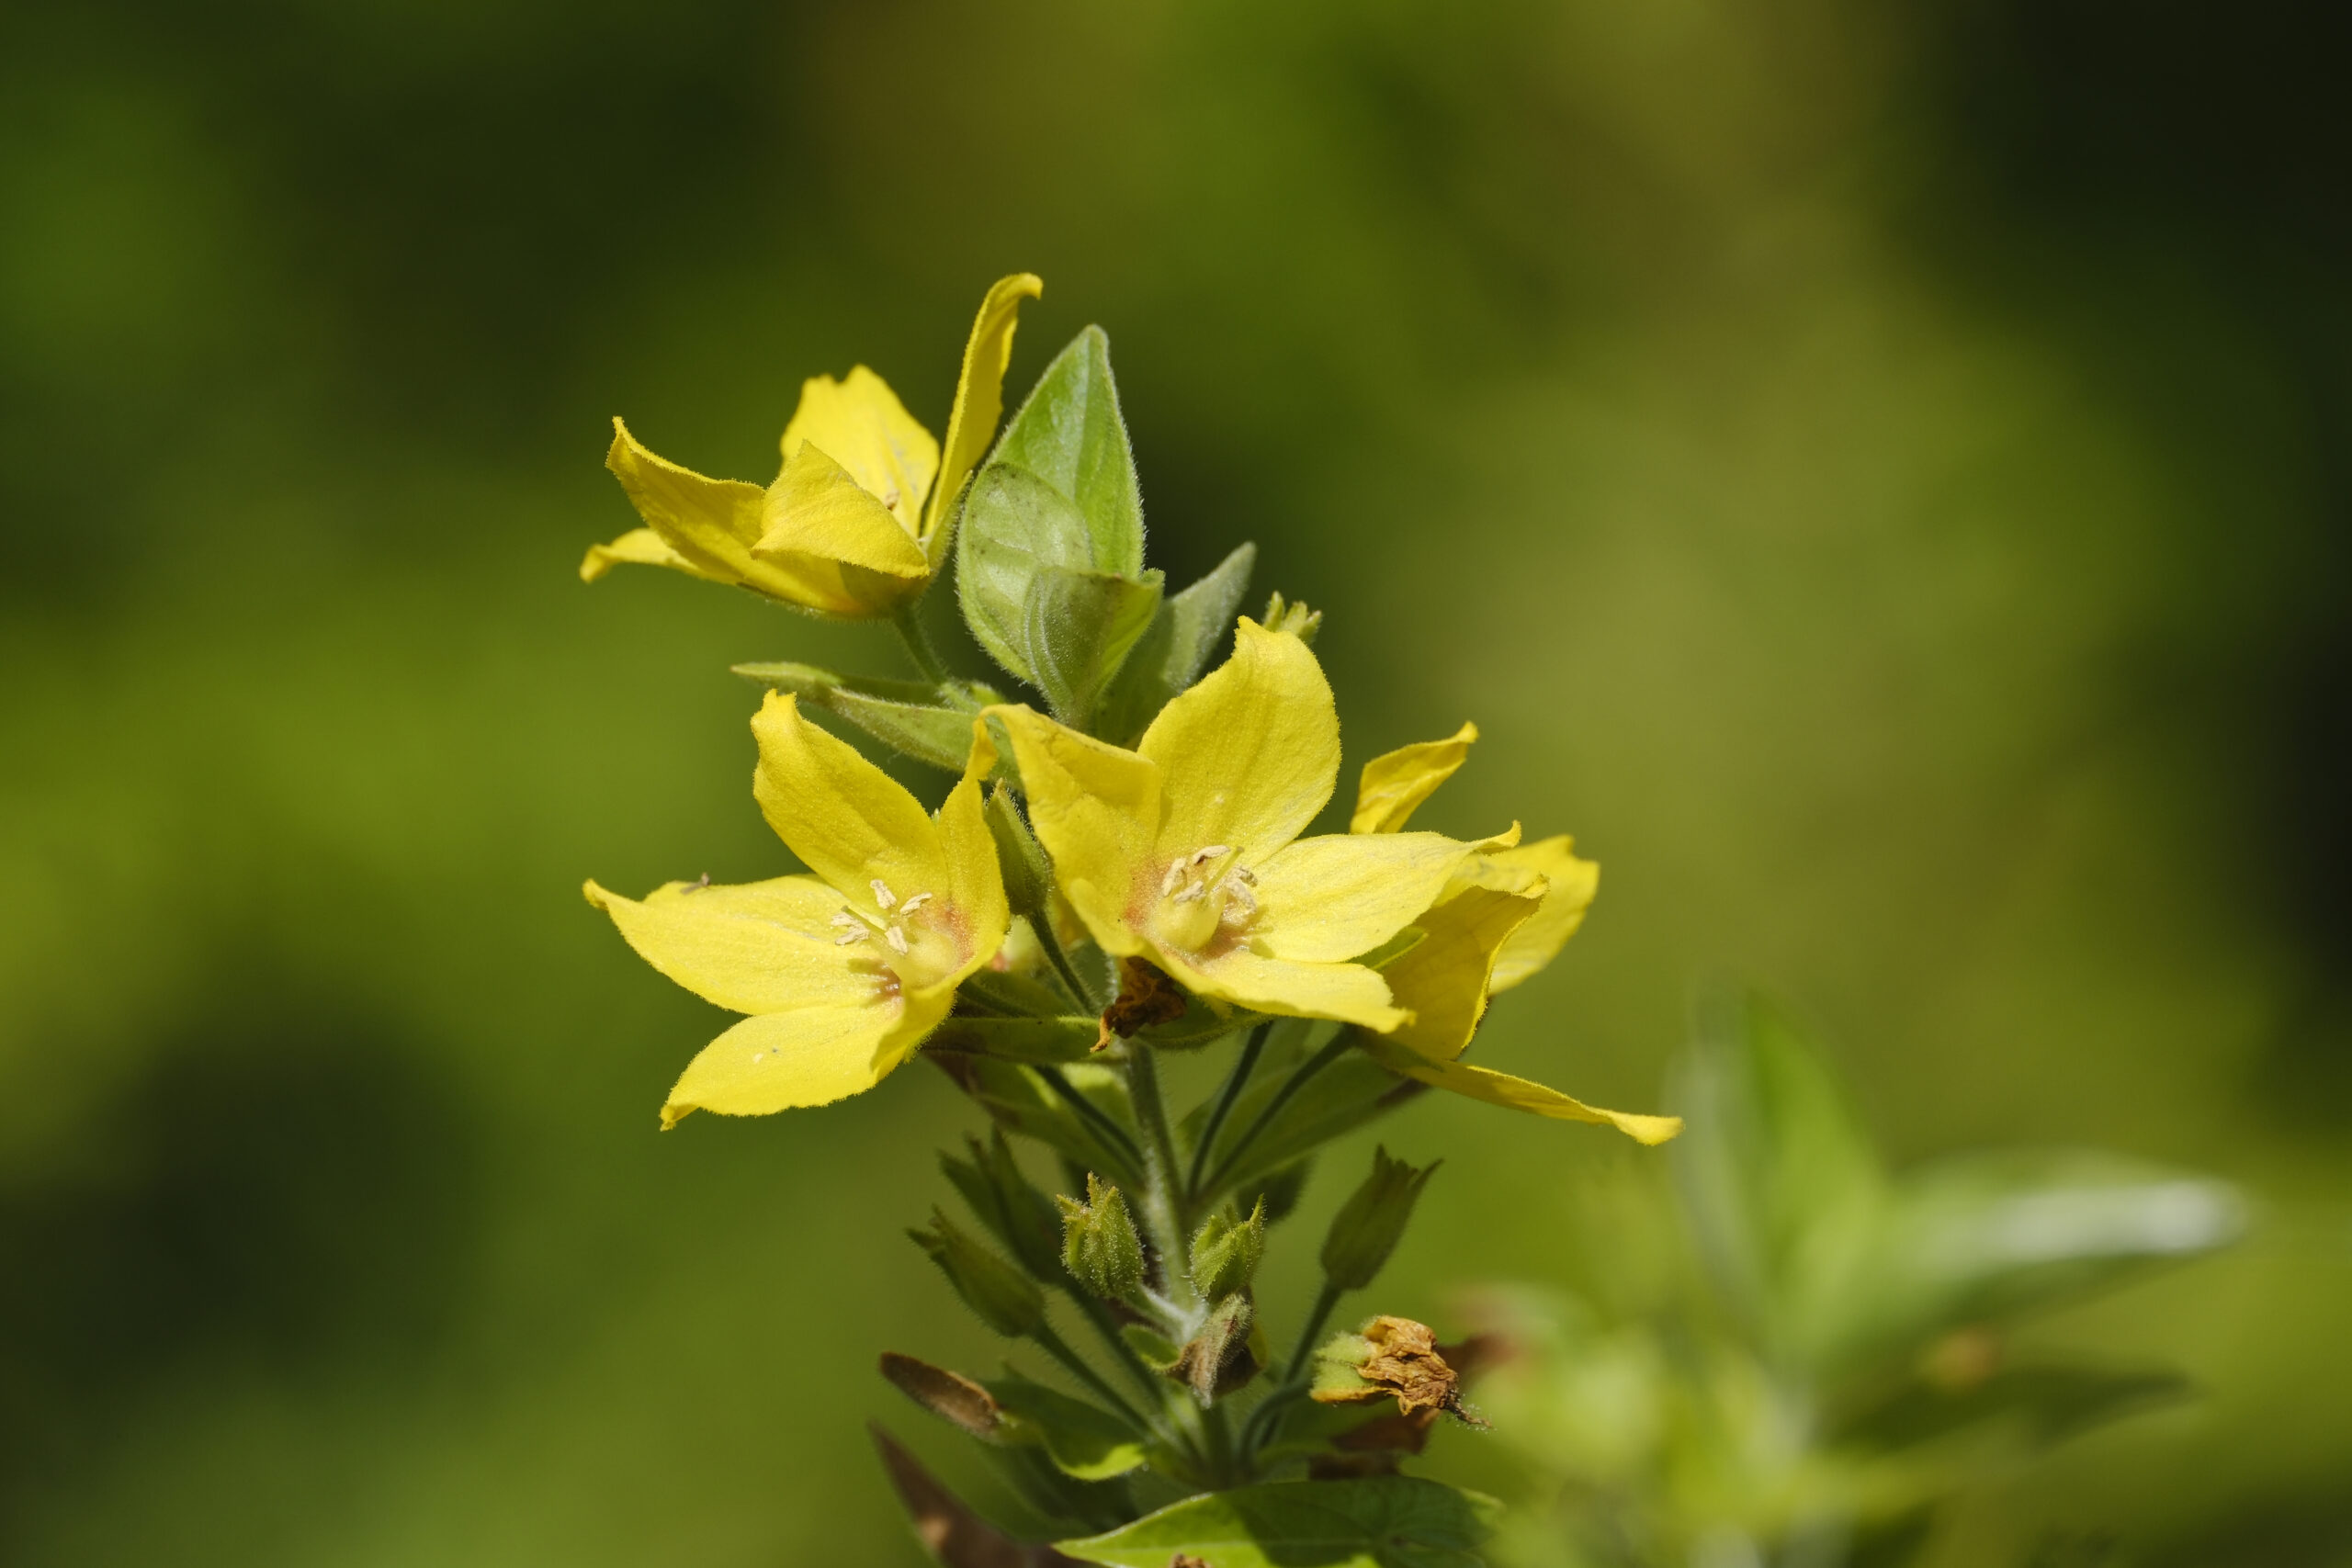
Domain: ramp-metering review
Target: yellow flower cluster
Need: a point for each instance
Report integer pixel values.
(1187, 853)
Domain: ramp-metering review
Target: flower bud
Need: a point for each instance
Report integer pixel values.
(1017, 854)
(1225, 1354)
(1004, 1201)
(1226, 1252)
(1004, 1298)
(1364, 1232)
(1283, 615)
(1098, 1241)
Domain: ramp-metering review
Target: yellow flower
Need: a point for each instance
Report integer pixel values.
(859, 520)
(844, 972)
(1503, 916)
(1186, 851)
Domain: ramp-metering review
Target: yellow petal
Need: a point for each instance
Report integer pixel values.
(849, 821)
(712, 524)
(859, 422)
(1094, 808)
(1394, 784)
(1338, 895)
(788, 1060)
(980, 400)
(764, 947)
(1573, 883)
(1348, 992)
(816, 509)
(1516, 1093)
(975, 877)
(1249, 756)
(1442, 978)
(639, 546)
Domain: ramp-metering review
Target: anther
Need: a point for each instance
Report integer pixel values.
(911, 904)
(1202, 856)
(882, 894)
(896, 939)
(847, 937)
(1171, 878)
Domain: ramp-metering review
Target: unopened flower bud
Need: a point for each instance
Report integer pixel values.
(1017, 854)
(1225, 1354)
(1098, 1241)
(1004, 1298)
(1364, 1232)
(1282, 615)
(1005, 1202)
(1226, 1252)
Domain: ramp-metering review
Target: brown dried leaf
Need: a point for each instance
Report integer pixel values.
(951, 1396)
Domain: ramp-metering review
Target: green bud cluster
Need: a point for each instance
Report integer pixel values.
(1099, 1245)
(1226, 1252)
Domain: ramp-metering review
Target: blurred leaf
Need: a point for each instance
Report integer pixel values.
(1060, 493)
(1388, 1522)
(1005, 1200)
(930, 724)
(1185, 635)
(1084, 1441)
(1992, 1235)
(1078, 627)
(1782, 1188)
(2035, 1405)
(950, 1528)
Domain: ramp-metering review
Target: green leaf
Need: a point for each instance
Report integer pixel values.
(1070, 435)
(1385, 1522)
(930, 724)
(1021, 1039)
(1059, 496)
(1084, 1441)
(1344, 1095)
(1188, 630)
(1022, 1099)
(1078, 627)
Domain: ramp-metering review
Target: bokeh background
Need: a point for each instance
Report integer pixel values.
(1876, 474)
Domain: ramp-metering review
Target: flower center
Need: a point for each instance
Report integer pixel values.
(1204, 895)
(914, 940)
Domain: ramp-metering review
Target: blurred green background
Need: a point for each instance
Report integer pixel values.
(1876, 474)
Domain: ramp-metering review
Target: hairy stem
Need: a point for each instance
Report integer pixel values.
(1094, 1116)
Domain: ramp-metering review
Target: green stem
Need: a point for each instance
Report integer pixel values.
(907, 623)
(1326, 1300)
(1160, 1210)
(1107, 1328)
(1283, 1096)
(1234, 1082)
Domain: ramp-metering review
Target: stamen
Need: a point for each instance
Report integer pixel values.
(911, 904)
(882, 894)
(846, 922)
(1195, 894)
(1173, 879)
(848, 938)
(896, 939)
(1245, 874)
(890, 500)
(1202, 856)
